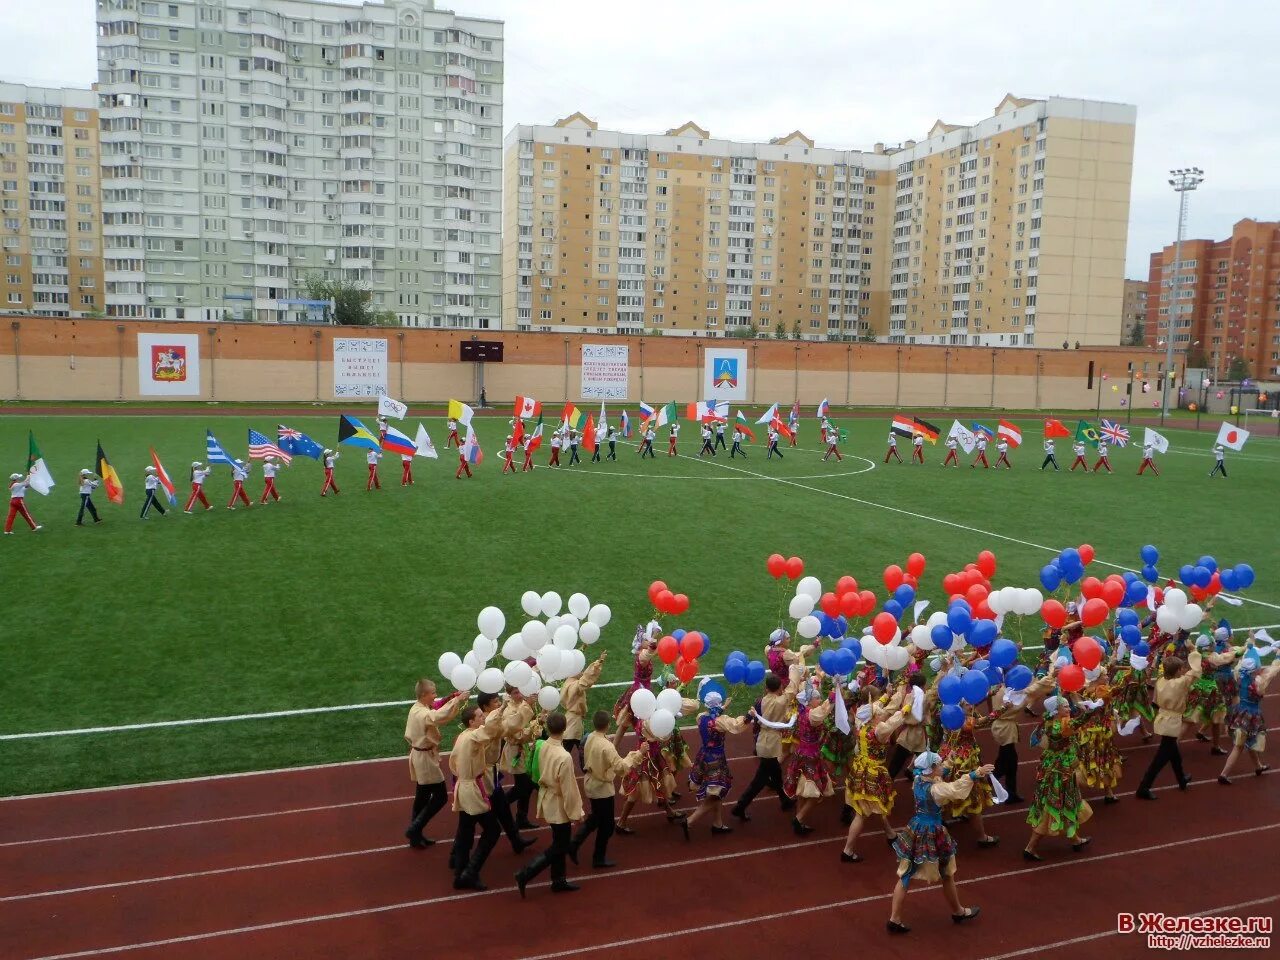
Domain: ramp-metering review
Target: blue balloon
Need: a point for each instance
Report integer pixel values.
(827, 660)
(735, 671)
(984, 633)
(995, 676)
(1019, 677)
(1106, 647)
(845, 661)
(893, 607)
(1142, 648)
(1227, 577)
(706, 645)
(755, 672)
(980, 665)
(1130, 634)
(1210, 563)
(1073, 574)
(950, 690)
(843, 623)
(958, 619)
(960, 602)
(736, 655)
(1003, 652)
(1136, 591)
(905, 594)
(1129, 576)
(975, 686)
(1187, 574)
(678, 634)
(1070, 557)
(952, 717)
(942, 636)
(1126, 617)
(1244, 576)
(1150, 574)
(1050, 577)
(1203, 576)
(1150, 555)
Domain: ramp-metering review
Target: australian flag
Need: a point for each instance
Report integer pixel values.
(298, 444)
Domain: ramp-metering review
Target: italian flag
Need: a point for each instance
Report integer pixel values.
(535, 438)
(37, 470)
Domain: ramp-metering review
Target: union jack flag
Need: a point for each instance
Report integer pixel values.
(1115, 433)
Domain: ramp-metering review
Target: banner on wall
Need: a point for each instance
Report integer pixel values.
(359, 368)
(604, 371)
(168, 365)
(725, 374)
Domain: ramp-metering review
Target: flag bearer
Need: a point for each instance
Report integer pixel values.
(720, 435)
(952, 456)
(464, 466)
(199, 473)
(151, 482)
(917, 448)
(1078, 449)
(981, 457)
(269, 470)
(773, 444)
(573, 448)
(794, 426)
(893, 448)
(1148, 459)
(1002, 448)
(88, 483)
(707, 446)
(330, 458)
(737, 445)
(646, 447)
(528, 454)
(239, 474)
(555, 449)
(453, 434)
(1049, 457)
(1103, 460)
(613, 444)
(508, 454)
(1219, 461)
(372, 458)
(406, 470)
(671, 440)
(18, 502)
(832, 438)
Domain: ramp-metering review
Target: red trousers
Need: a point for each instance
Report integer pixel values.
(463, 467)
(453, 439)
(237, 493)
(893, 452)
(981, 458)
(406, 473)
(1147, 462)
(1004, 458)
(831, 448)
(197, 493)
(555, 457)
(952, 456)
(671, 447)
(508, 465)
(917, 454)
(373, 481)
(269, 490)
(17, 505)
(528, 461)
(329, 482)
(1102, 462)
(1080, 462)
(793, 440)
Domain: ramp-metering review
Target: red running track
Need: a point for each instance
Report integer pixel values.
(310, 864)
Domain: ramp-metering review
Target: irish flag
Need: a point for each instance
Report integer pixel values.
(37, 470)
(163, 476)
(667, 414)
(743, 424)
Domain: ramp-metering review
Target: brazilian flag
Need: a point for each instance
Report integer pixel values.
(1087, 432)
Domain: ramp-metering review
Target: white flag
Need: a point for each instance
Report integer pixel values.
(602, 424)
(769, 415)
(425, 447)
(1153, 439)
(391, 408)
(964, 436)
(997, 788)
(1233, 437)
(841, 718)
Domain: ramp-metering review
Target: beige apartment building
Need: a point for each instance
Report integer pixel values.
(50, 202)
(1007, 232)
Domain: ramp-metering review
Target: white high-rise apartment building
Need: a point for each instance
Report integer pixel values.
(247, 144)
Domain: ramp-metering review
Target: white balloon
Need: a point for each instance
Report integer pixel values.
(484, 648)
(448, 663)
(810, 587)
(895, 658)
(921, 638)
(569, 620)
(549, 660)
(579, 605)
(471, 660)
(1189, 617)
(514, 648)
(553, 624)
(1167, 619)
(1175, 598)
(578, 663)
(808, 627)
(551, 603)
(670, 700)
(534, 634)
(517, 673)
(532, 685)
(643, 703)
(801, 606)
(531, 603)
(662, 723)
(873, 652)
(600, 615)
(936, 618)
(463, 677)
(490, 680)
(548, 698)
(491, 622)
(996, 600)
(588, 633)
(1032, 601)
(565, 637)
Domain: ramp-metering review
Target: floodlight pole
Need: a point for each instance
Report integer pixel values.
(1183, 182)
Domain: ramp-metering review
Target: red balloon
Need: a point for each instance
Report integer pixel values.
(1071, 678)
(1091, 587)
(1113, 593)
(691, 645)
(975, 594)
(912, 579)
(987, 563)
(1093, 612)
(686, 670)
(983, 612)
(776, 565)
(1215, 584)
(830, 605)
(669, 649)
(952, 584)
(892, 577)
(1198, 593)
(851, 604)
(846, 584)
(1054, 613)
(679, 603)
(663, 601)
(883, 627)
(1086, 553)
(915, 564)
(656, 588)
(972, 576)
(795, 568)
(1087, 653)
(868, 602)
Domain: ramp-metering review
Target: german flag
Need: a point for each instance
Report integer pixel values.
(110, 479)
(927, 429)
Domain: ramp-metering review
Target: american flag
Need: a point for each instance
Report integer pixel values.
(260, 448)
(1115, 433)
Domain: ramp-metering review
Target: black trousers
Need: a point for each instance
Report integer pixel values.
(707, 448)
(1166, 753)
(720, 441)
(613, 450)
(1007, 767)
(464, 859)
(86, 503)
(647, 449)
(554, 855)
(600, 822)
(428, 800)
(573, 455)
(150, 502)
(768, 774)
(521, 793)
(1050, 458)
(773, 449)
(1219, 467)
(737, 449)
(897, 760)
(595, 457)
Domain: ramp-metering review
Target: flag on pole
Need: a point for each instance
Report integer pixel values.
(667, 414)
(1114, 433)
(37, 470)
(1232, 436)
(646, 413)
(391, 408)
(927, 429)
(1054, 428)
(902, 426)
(707, 411)
(517, 432)
(781, 427)
(461, 412)
(963, 436)
(602, 422)
(214, 452)
(1086, 432)
(527, 407)
(470, 449)
(768, 415)
(354, 433)
(589, 434)
(982, 428)
(625, 425)
(110, 479)
(1009, 433)
(743, 424)
(1152, 439)
(163, 476)
(297, 444)
(574, 417)
(393, 441)
(260, 447)
(425, 447)
(794, 419)
(824, 408)
(535, 438)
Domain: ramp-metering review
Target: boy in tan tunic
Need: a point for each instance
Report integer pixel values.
(776, 705)
(603, 766)
(422, 731)
(1171, 703)
(519, 730)
(573, 700)
(471, 796)
(559, 805)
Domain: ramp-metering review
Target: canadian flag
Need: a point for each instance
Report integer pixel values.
(1231, 436)
(527, 407)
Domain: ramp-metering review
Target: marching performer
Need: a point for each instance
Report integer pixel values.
(1103, 459)
(151, 483)
(1219, 462)
(794, 427)
(1214, 692)
(269, 470)
(422, 733)
(893, 448)
(642, 648)
(596, 453)
(508, 455)
(603, 766)
(613, 444)
(1057, 808)
(805, 777)
(1002, 447)
(720, 427)
(1099, 762)
(961, 753)
(1248, 729)
(1049, 457)
(706, 441)
(1078, 449)
(773, 445)
(330, 458)
(646, 445)
(833, 439)
(555, 448)
(981, 447)
(372, 458)
(1171, 703)
(453, 434)
(559, 804)
(382, 425)
(463, 466)
(952, 456)
(868, 787)
(520, 728)
(88, 483)
(649, 781)
(1148, 459)
(737, 445)
(528, 454)
(406, 470)
(573, 700)
(673, 433)
(199, 473)
(776, 706)
(573, 448)
(710, 779)
(917, 448)
(18, 502)
(471, 797)
(239, 474)
(1005, 732)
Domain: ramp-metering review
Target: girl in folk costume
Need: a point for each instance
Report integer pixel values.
(1099, 761)
(838, 746)
(925, 850)
(642, 648)
(1248, 729)
(18, 503)
(649, 781)
(1057, 809)
(805, 777)
(1131, 696)
(868, 788)
(269, 470)
(911, 739)
(151, 483)
(452, 439)
(199, 473)
(1213, 694)
(239, 474)
(330, 458)
(1004, 728)
(961, 754)
(710, 779)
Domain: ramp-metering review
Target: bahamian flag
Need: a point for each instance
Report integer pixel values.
(354, 433)
(297, 444)
(213, 450)
(1087, 432)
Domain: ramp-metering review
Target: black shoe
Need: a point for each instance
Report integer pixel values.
(849, 857)
(1201, 737)
(520, 845)
(1184, 783)
(564, 886)
(1110, 800)
(895, 927)
(1217, 752)
(740, 813)
(990, 841)
(1145, 795)
(602, 864)
(720, 830)
(1032, 856)
(1015, 800)
(969, 914)
(800, 828)
(522, 880)
(1081, 844)
(467, 881)
(624, 831)
(417, 840)
(1225, 781)
(1261, 770)
(524, 824)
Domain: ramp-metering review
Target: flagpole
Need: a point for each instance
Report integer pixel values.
(1183, 182)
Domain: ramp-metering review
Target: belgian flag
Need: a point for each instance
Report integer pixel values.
(110, 479)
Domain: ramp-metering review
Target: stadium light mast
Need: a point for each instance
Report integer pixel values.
(1183, 181)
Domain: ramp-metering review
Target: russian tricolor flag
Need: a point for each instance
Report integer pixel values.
(393, 441)
(824, 408)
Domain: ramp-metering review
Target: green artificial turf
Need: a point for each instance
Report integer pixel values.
(349, 599)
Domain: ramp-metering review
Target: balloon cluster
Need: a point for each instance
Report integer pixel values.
(658, 710)
(738, 669)
(665, 601)
(779, 566)
(1204, 578)
(835, 609)
(680, 647)
(1067, 567)
(1176, 613)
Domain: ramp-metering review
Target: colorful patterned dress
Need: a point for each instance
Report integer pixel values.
(837, 748)
(1131, 694)
(1228, 685)
(1052, 640)
(868, 786)
(710, 776)
(1204, 700)
(641, 676)
(1099, 760)
(960, 754)
(649, 781)
(1057, 807)
(805, 775)
(925, 850)
(1248, 728)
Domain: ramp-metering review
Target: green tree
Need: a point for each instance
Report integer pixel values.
(352, 304)
(795, 330)
(1196, 358)
(1137, 334)
(1239, 369)
(780, 331)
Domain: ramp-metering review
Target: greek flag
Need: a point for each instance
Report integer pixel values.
(214, 452)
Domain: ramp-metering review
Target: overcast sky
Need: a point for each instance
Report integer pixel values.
(1205, 77)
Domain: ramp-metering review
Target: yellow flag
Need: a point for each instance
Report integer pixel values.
(460, 411)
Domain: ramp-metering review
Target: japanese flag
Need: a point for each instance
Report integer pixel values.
(1233, 437)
